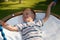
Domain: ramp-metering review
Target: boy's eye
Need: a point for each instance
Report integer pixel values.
(27, 13)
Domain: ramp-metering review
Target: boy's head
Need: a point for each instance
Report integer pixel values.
(28, 15)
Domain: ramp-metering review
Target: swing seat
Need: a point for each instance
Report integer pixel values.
(51, 28)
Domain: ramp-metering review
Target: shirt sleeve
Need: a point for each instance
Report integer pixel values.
(40, 22)
(19, 26)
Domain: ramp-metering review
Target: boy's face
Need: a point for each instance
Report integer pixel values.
(28, 15)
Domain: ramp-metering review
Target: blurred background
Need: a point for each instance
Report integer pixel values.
(8, 7)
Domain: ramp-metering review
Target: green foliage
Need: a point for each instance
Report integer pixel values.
(1, 1)
(12, 6)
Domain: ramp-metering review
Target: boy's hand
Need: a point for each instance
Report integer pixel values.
(52, 4)
(1, 22)
(48, 11)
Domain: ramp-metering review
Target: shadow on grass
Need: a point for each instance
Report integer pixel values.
(1, 1)
(4, 13)
(13, 0)
(40, 5)
(44, 5)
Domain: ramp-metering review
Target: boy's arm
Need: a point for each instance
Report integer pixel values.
(48, 11)
(9, 27)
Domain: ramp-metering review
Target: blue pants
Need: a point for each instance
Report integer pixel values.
(2, 33)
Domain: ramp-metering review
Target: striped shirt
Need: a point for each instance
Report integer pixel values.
(30, 30)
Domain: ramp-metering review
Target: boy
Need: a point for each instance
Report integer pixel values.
(29, 29)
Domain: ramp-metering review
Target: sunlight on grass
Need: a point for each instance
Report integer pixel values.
(7, 8)
(16, 5)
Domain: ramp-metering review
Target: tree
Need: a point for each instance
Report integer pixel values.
(20, 1)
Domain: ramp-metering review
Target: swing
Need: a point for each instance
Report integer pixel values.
(51, 27)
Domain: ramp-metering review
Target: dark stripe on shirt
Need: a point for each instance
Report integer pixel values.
(33, 37)
(25, 28)
(29, 32)
(37, 26)
(30, 26)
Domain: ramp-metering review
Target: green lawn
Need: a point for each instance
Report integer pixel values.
(10, 7)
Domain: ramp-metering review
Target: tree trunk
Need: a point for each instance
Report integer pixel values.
(20, 1)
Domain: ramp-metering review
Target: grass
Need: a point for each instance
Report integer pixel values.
(7, 8)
